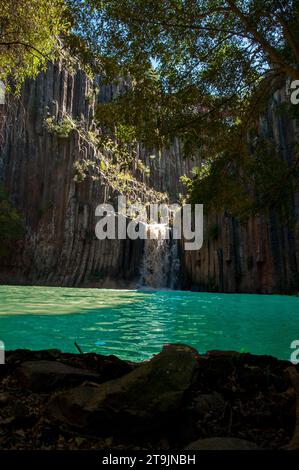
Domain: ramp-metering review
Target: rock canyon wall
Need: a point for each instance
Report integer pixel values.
(262, 254)
(37, 170)
(60, 247)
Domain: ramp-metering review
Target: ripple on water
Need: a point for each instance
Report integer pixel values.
(135, 324)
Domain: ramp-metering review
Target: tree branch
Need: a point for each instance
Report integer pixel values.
(274, 55)
(23, 44)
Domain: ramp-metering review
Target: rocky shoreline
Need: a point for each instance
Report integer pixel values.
(177, 400)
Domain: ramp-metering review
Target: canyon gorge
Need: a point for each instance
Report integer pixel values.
(59, 246)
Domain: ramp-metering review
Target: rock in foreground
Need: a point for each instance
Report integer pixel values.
(142, 398)
(53, 400)
(47, 375)
(222, 443)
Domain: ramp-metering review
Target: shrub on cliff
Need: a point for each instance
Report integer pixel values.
(62, 127)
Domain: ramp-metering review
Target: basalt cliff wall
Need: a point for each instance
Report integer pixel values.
(261, 254)
(37, 170)
(60, 247)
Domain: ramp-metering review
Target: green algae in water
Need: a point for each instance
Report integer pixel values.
(135, 324)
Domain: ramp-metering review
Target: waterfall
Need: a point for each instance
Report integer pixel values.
(160, 265)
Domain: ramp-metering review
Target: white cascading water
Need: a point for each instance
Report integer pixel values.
(160, 265)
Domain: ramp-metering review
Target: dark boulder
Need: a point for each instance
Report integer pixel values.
(222, 443)
(47, 375)
(147, 397)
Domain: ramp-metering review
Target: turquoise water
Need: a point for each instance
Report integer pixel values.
(135, 324)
